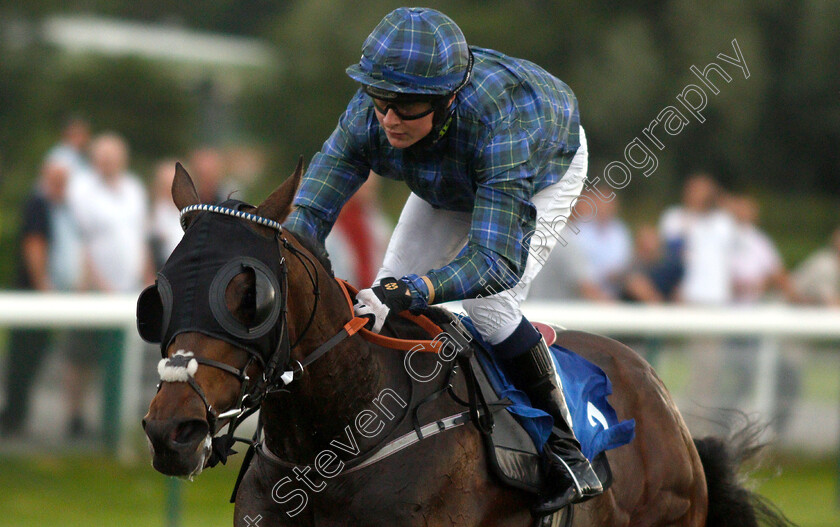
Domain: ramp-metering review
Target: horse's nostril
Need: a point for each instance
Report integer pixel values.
(189, 432)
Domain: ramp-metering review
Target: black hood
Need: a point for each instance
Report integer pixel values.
(189, 295)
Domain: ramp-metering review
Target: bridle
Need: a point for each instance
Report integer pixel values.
(278, 368)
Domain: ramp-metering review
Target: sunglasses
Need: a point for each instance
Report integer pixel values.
(406, 109)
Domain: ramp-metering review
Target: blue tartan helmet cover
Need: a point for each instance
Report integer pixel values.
(414, 51)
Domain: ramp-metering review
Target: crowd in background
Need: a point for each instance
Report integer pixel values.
(708, 250)
(90, 224)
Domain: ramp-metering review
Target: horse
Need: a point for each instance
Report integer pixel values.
(338, 409)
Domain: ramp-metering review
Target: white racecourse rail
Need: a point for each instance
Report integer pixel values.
(99, 310)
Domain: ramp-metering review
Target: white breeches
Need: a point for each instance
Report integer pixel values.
(426, 238)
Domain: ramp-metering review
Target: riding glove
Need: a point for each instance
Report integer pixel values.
(376, 302)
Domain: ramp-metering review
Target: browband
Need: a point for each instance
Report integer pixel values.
(203, 207)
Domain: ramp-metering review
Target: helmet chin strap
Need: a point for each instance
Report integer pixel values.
(440, 129)
(442, 118)
(443, 115)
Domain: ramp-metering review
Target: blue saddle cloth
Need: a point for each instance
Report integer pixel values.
(586, 386)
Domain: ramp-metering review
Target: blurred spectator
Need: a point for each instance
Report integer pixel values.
(757, 268)
(704, 235)
(756, 264)
(48, 259)
(70, 151)
(606, 244)
(357, 242)
(207, 167)
(655, 273)
(817, 279)
(110, 207)
(165, 224)
(566, 276)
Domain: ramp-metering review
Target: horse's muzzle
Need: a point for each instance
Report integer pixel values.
(179, 447)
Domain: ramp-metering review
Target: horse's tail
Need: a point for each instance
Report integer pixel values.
(730, 503)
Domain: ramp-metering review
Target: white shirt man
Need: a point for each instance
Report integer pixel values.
(755, 260)
(608, 248)
(817, 279)
(706, 239)
(111, 212)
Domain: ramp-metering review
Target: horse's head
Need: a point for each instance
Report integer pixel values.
(218, 311)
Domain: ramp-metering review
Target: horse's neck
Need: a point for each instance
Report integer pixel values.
(335, 388)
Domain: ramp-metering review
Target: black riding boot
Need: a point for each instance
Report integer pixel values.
(569, 476)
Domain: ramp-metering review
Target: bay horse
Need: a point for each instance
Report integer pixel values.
(340, 408)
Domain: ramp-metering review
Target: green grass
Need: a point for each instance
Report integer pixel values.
(806, 491)
(94, 490)
(70, 491)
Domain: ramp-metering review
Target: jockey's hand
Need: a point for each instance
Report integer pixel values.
(376, 302)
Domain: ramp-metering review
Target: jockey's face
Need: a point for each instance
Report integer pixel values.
(402, 133)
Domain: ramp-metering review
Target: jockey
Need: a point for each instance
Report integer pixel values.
(493, 152)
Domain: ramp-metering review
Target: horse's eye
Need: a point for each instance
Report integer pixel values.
(265, 298)
(250, 307)
(257, 302)
(248, 302)
(240, 298)
(250, 299)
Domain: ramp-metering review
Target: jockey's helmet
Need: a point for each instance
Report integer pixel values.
(413, 51)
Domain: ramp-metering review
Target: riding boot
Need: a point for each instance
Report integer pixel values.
(569, 475)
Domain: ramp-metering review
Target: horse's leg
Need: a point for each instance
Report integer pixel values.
(255, 506)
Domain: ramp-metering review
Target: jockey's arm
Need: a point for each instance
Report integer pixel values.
(494, 258)
(333, 176)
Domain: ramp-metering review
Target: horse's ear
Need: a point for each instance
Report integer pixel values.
(184, 193)
(279, 204)
(183, 189)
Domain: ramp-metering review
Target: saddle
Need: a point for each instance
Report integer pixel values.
(509, 440)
